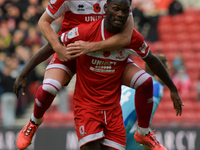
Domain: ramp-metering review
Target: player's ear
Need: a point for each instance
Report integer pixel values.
(105, 8)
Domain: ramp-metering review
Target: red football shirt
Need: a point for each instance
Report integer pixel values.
(99, 74)
(75, 11)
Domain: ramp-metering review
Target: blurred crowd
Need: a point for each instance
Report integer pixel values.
(147, 12)
(20, 38)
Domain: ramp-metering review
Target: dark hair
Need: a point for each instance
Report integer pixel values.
(163, 60)
(111, 0)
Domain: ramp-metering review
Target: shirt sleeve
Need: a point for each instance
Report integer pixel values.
(138, 45)
(57, 8)
(73, 35)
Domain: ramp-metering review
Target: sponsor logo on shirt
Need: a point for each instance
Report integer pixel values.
(81, 7)
(102, 66)
(93, 18)
(96, 8)
(120, 54)
(73, 33)
(106, 54)
(66, 37)
(143, 47)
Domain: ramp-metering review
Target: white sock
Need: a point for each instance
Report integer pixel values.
(143, 131)
(35, 120)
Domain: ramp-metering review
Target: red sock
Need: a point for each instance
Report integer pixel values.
(144, 103)
(42, 102)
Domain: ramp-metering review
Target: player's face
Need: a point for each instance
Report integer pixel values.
(117, 12)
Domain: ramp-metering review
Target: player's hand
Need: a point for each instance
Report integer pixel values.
(19, 83)
(61, 52)
(78, 48)
(177, 102)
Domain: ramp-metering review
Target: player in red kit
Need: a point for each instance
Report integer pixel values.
(98, 116)
(74, 12)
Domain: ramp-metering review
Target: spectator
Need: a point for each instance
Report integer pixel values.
(182, 81)
(146, 17)
(8, 98)
(23, 25)
(198, 88)
(175, 8)
(13, 15)
(17, 19)
(2, 16)
(177, 62)
(31, 15)
(32, 38)
(5, 36)
(2, 60)
(18, 38)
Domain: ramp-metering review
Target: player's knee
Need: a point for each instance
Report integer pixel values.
(52, 86)
(147, 85)
(141, 79)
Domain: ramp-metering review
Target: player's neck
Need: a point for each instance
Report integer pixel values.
(109, 28)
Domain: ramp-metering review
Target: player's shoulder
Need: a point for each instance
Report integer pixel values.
(137, 38)
(135, 34)
(57, 2)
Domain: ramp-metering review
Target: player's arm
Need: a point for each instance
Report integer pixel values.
(48, 32)
(158, 68)
(45, 52)
(117, 41)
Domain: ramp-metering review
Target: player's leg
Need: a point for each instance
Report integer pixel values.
(106, 148)
(138, 79)
(88, 126)
(56, 76)
(53, 82)
(114, 130)
(95, 145)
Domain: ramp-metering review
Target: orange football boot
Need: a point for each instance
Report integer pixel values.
(149, 140)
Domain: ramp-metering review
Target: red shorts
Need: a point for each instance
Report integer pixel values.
(106, 126)
(68, 66)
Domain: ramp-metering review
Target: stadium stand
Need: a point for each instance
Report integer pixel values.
(183, 35)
